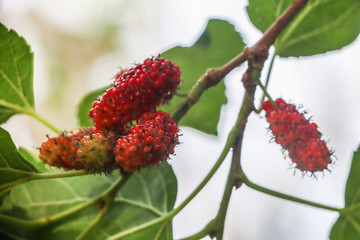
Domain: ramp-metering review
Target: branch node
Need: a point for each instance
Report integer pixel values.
(212, 77)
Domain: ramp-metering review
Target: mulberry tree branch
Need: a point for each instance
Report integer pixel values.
(255, 56)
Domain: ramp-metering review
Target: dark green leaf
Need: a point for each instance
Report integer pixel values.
(16, 75)
(146, 196)
(219, 43)
(85, 105)
(11, 161)
(348, 225)
(322, 26)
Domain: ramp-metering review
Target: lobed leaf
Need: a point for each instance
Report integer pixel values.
(16, 74)
(322, 26)
(348, 225)
(146, 196)
(219, 43)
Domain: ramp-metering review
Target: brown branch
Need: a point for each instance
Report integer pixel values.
(255, 55)
(260, 51)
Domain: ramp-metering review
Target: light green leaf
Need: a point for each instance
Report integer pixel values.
(16, 75)
(322, 26)
(348, 225)
(218, 44)
(146, 196)
(12, 165)
(86, 104)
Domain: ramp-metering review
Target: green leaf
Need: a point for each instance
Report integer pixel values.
(219, 43)
(322, 26)
(12, 165)
(146, 196)
(86, 104)
(16, 75)
(348, 224)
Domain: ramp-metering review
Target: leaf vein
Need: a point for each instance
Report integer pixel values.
(54, 203)
(319, 30)
(12, 85)
(146, 189)
(4, 159)
(11, 48)
(165, 194)
(140, 205)
(66, 185)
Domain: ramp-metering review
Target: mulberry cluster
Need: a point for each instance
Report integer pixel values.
(112, 142)
(298, 136)
(136, 91)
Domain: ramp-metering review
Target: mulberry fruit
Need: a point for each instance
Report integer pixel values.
(149, 142)
(298, 136)
(61, 151)
(87, 149)
(136, 91)
(95, 151)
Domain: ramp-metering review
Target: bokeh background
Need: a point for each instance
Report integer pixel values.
(80, 45)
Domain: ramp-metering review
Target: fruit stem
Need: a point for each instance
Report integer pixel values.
(268, 78)
(256, 187)
(51, 175)
(267, 94)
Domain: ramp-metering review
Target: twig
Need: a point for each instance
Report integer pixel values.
(255, 56)
(254, 186)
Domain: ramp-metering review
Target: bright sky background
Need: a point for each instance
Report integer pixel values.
(79, 46)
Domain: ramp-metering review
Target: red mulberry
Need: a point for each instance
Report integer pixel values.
(61, 151)
(136, 91)
(87, 149)
(298, 136)
(149, 142)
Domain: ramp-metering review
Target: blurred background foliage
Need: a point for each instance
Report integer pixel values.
(80, 45)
